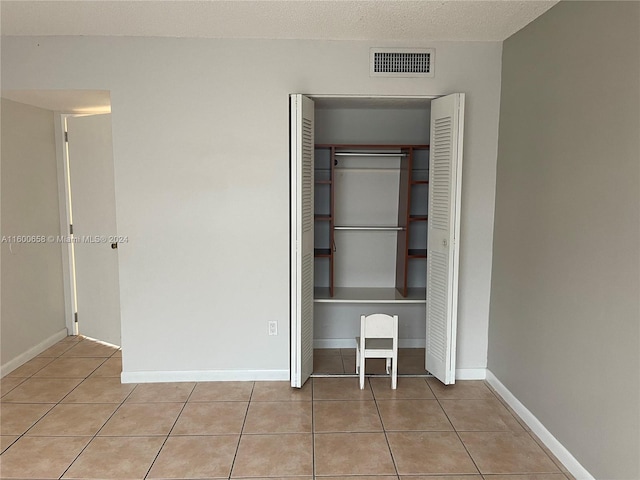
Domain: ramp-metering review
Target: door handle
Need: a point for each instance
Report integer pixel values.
(445, 242)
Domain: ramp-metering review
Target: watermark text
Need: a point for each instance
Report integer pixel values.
(34, 239)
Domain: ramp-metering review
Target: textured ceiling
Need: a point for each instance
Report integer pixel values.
(380, 20)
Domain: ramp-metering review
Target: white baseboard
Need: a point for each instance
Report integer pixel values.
(471, 373)
(24, 357)
(351, 343)
(204, 376)
(552, 443)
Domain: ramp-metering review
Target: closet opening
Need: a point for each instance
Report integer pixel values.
(360, 226)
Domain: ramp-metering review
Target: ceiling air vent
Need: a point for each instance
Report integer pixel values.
(402, 62)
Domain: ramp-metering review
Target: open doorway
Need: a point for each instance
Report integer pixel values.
(86, 200)
(361, 239)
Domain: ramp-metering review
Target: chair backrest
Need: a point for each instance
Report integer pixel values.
(379, 325)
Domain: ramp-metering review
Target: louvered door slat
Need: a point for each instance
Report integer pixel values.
(437, 295)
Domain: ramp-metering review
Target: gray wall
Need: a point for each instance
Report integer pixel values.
(32, 289)
(564, 314)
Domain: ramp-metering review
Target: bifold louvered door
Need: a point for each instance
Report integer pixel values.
(302, 192)
(445, 176)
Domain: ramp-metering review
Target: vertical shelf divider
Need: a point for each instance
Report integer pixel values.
(404, 207)
(332, 221)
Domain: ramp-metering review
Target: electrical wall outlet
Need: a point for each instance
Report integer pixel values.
(273, 327)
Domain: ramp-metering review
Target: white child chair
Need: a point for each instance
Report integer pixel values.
(378, 339)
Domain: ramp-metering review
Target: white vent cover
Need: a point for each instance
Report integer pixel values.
(401, 62)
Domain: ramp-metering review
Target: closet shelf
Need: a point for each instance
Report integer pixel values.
(418, 218)
(322, 218)
(369, 154)
(372, 228)
(419, 182)
(417, 253)
(369, 295)
(389, 169)
(355, 146)
(321, 252)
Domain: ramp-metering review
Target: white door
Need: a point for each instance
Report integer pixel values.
(94, 222)
(302, 150)
(443, 241)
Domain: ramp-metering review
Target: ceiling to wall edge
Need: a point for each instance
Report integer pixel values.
(80, 102)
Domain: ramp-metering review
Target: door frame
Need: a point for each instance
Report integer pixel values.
(315, 96)
(64, 203)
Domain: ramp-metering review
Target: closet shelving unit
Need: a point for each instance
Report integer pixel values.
(410, 226)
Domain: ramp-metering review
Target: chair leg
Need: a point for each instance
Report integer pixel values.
(357, 361)
(394, 373)
(362, 371)
(388, 365)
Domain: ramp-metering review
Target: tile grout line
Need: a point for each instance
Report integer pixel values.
(509, 430)
(544, 448)
(95, 435)
(83, 379)
(170, 430)
(59, 402)
(24, 379)
(54, 404)
(384, 429)
(526, 428)
(244, 421)
(456, 432)
(41, 368)
(74, 358)
(506, 406)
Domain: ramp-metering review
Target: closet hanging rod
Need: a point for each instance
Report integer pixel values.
(393, 229)
(371, 154)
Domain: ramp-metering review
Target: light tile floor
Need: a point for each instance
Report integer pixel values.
(65, 414)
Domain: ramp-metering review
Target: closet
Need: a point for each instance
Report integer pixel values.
(366, 177)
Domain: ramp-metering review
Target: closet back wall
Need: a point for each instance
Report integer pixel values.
(201, 152)
(372, 125)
